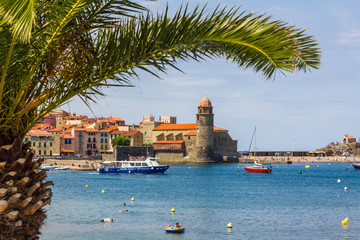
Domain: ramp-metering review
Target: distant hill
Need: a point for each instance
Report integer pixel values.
(341, 149)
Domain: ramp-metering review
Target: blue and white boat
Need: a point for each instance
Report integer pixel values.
(148, 166)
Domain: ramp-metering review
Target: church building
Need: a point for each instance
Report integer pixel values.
(199, 142)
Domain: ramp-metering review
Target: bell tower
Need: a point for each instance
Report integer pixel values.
(204, 132)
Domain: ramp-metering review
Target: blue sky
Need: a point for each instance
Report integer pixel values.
(313, 108)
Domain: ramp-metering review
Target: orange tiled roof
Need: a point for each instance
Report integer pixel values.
(115, 119)
(117, 132)
(188, 126)
(130, 133)
(67, 131)
(105, 130)
(91, 130)
(58, 129)
(217, 129)
(191, 133)
(67, 136)
(112, 128)
(169, 142)
(350, 137)
(38, 132)
(181, 126)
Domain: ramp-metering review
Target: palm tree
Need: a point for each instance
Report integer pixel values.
(53, 50)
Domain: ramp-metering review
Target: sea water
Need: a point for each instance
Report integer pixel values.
(281, 205)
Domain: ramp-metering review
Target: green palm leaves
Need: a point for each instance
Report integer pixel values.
(77, 47)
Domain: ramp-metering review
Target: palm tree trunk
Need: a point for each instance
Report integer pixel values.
(23, 192)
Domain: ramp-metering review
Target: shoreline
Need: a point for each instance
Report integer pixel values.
(92, 165)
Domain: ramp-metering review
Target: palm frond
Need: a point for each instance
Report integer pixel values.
(84, 46)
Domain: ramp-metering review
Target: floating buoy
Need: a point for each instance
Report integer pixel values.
(339, 181)
(277, 166)
(317, 165)
(238, 167)
(103, 191)
(229, 225)
(344, 222)
(300, 171)
(132, 199)
(86, 186)
(307, 166)
(338, 195)
(345, 189)
(172, 210)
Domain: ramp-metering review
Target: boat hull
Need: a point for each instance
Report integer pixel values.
(258, 170)
(175, 230)
(356, 166)
(134, 170)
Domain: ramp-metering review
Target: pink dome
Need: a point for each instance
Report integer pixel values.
(205, 102)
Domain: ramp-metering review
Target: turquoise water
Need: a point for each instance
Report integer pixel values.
(280, 205)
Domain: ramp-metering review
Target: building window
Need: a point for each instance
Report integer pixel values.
(106, 147)
(50, 144)
(151, 140)
(94, 145)
(50, 153)
(101, 135)
(39, 152)
(45, 145)
(106, 140)
(145, 140)
(102, 147)
(80, 134)
(44, 152)
(105, 134)
(80, 146)
(26, 140)
(101, 140)
(39, 144)
(89, 139)
(94, 139)
(33, 144)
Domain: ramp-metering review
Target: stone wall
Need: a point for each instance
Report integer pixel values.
(170, 157)
(123, 153)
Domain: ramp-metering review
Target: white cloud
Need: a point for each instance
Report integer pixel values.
(350, 37)
(189, 81)
(236, 95)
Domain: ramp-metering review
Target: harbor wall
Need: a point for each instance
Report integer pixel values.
(124, 152)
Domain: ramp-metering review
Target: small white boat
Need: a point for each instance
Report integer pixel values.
(61, 168)
(53, 168)
(47, 167)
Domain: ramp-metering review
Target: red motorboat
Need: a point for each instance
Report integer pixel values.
(259, 168)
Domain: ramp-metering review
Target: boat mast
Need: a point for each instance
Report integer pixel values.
(255, 144)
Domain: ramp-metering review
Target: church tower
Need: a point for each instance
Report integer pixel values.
(204, 132)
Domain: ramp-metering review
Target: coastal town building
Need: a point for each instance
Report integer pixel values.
(43, 142)
(149, 124)
(348, 139)
(194, 142)
(62, 133)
